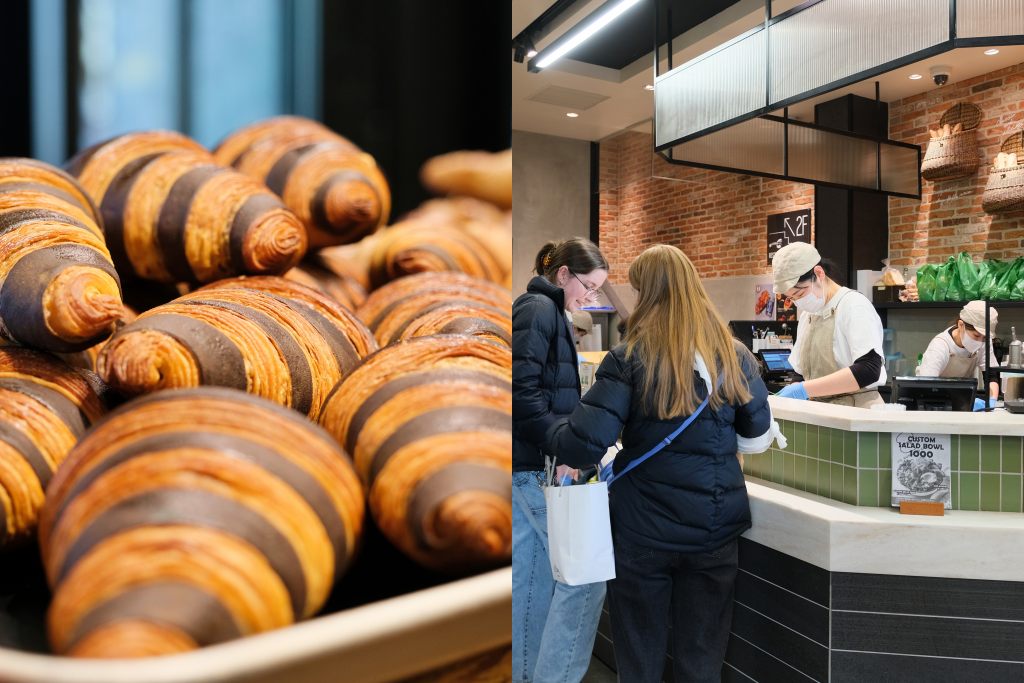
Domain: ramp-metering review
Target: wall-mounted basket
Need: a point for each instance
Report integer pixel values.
(954, 155)
(1005, 190)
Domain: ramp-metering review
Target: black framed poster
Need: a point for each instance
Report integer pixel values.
(786, 228)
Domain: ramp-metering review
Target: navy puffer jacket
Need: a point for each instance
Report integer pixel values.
(545, 374)
(690, 496)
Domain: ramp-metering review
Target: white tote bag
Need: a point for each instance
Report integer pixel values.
(580, 533)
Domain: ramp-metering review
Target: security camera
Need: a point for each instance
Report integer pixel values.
(940, 74)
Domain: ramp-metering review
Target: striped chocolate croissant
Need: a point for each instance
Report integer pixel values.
(173, 215)
(28, 174)
(429, 425)
(192, 517)
(58, 288)
(291, 352)
(389, 303)
(453, 317)
(335, 188)
(334, 275)
(45, 408)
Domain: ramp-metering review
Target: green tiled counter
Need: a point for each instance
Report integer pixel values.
(830, 453)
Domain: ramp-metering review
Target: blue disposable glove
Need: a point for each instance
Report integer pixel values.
(794, 391)
(980, 404)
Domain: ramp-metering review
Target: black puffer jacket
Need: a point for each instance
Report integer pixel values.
(545, 375)
(688, 497)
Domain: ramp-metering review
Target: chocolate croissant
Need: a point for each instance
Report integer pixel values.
(192, 517)
(29, 174)
(173, 215)
(290, 352)
(418, 246)
(334, 187)
(58, 288)
(481, 220)
(45, 408)
(429, 425)
(453, 317)
(383, 302)
(484, 175)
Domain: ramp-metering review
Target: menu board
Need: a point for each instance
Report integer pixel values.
(787, 228)
(921, 470)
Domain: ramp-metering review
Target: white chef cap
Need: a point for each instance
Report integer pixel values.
(792, 261)
(974, 314)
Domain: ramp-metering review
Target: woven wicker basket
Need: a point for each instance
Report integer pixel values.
(955, 155)
(1004, 192)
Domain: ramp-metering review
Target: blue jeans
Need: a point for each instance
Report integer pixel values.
(553, 624)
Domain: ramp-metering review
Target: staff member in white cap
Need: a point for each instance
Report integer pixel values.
(582, 325)
(959, 350)
(839, 335)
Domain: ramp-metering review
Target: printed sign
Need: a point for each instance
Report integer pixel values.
(921, 469)
(787, 228)
(764, 302)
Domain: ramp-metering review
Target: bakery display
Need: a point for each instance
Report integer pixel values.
(192, 517)
(333, 186)
(428, 422)
(287, 351)
(58, 288)
(45, 408)
(172, 214)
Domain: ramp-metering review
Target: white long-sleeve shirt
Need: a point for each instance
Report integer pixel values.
(936, 356)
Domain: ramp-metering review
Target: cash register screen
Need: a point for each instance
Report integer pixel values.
(776, 361)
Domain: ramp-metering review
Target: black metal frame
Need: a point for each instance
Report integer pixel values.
(786, 122)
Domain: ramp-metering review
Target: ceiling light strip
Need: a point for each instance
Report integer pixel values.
(583, 30)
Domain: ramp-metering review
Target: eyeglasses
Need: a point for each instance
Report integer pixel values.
(592, 294)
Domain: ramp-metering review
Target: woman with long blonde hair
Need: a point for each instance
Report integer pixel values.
(676, 516)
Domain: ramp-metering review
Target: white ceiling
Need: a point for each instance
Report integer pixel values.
(628, 102)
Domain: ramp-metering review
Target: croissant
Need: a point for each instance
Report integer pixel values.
(484, 175)
(383, 302)
(429, 425)
(417, 246)
(290, 352)
(481, 220)
(58, 288)
(29, 174)
(333, 274)
(446, 311)
(192, 517)
(334, 187)
(45, 407)
(173, 215)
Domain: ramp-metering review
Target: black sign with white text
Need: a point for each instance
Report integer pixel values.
(787, 228)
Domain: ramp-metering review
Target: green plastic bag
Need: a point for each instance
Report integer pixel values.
(926, 282)
(969, 277)
(943, 278)
(1017, 293)
(1007, 279)
(989, 274)
(984, 278)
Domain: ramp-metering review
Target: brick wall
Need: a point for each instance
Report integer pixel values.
(948, 219)
(718, 219)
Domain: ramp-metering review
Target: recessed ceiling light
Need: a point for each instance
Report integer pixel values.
(993, 51)
(648, 87)
(915, 77)
(572, 115)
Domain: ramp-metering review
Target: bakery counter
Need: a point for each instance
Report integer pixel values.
(845, 454)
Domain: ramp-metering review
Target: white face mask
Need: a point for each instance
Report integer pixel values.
(810, 302)
(972, 345)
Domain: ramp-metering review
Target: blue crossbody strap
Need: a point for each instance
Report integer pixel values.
(611, 478)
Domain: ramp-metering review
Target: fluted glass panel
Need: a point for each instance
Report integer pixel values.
(835, 39)
(899, 169)
(711, 90)
(754, 146)
(983, 18)
(831, 158)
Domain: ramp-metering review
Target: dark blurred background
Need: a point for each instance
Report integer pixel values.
(403, 79)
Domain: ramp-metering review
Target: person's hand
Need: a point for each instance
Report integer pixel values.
(794, 391)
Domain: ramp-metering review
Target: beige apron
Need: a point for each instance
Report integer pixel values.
(959, 366)
(817, 359)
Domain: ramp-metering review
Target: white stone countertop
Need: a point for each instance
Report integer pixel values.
(848, 538)
(999, 421)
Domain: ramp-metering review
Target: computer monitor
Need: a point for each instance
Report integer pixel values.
(935, 393)
(776, 361)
